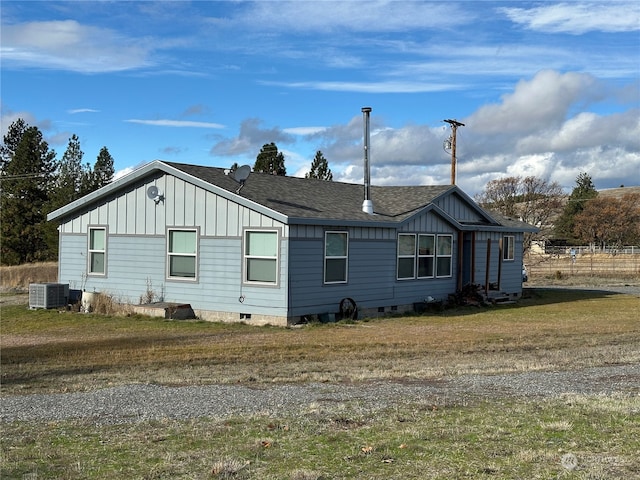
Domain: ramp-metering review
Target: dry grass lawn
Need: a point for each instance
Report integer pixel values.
(48, 351)
(573, 437)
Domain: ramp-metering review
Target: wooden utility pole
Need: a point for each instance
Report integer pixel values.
(454, 126)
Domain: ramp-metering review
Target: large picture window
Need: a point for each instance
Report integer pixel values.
(443, 252)
(97, 251)
(261, 256)
(182, 253)
(426, 255)
(406, 255)
(336, 255)
(508, 247)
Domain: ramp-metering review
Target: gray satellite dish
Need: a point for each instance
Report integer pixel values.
(241, 174)
(154, 194)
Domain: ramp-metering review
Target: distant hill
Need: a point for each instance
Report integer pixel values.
(618, 192)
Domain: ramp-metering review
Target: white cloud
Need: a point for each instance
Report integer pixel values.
(176, 123)
(82, 110)
(578, 17)
(372, 16)
(542, 102)
(304, 130)
(69, 45)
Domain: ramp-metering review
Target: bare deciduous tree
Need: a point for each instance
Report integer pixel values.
(531, 199)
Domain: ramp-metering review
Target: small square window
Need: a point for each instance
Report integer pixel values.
(261, 256)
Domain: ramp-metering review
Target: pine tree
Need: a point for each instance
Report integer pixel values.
(103, 170)
(269, 160)
(26, 181)
(72, 178)
(585, 190)
(320, 168)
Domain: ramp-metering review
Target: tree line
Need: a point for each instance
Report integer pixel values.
(583, 217)
(33, 183)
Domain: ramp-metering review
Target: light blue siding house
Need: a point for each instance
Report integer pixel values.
(275, 249)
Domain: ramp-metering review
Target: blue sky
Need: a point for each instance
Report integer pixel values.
(550, 89)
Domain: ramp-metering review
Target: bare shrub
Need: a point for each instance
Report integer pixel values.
(149, 295)
(103, 304)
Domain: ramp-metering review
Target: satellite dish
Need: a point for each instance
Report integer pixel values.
(152, 192)
(242, 173)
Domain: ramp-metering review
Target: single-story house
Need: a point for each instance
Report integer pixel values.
(260, 248)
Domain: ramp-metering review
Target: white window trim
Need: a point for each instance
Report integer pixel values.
(246, 256)
(193, 279)
(414, 256)
(90, 251)
(433, 255)
(449, 255)
(336, 257)
(508, 248)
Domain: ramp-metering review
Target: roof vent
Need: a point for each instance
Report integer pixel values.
(367, 204)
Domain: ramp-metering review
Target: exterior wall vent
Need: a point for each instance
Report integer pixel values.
(48, 295)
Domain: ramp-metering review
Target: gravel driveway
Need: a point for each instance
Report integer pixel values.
(135, 403)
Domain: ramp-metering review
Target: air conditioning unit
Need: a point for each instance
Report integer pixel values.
(48, 295)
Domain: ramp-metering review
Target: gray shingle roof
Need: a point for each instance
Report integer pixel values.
(311, 201)
(305, 198)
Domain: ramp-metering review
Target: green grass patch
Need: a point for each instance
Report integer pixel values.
(573, 438)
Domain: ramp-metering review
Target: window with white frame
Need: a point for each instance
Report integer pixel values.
(444, 251)
(426, 255)
(97, 251)
(336, 256)
(182, 253)
(508, 247)
(261, 256)
(406, 255)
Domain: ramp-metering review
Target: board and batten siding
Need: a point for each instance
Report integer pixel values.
(132, 212)
(459, 209)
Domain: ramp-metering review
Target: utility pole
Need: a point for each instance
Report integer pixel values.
(451, 142)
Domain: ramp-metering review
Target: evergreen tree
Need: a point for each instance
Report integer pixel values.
(26, 181)
(320, 168)
(585, 190)
(103, 170)
(11, 141)
(73, 178)
(269, 160)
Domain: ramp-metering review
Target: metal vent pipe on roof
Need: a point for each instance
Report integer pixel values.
(367, 205)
